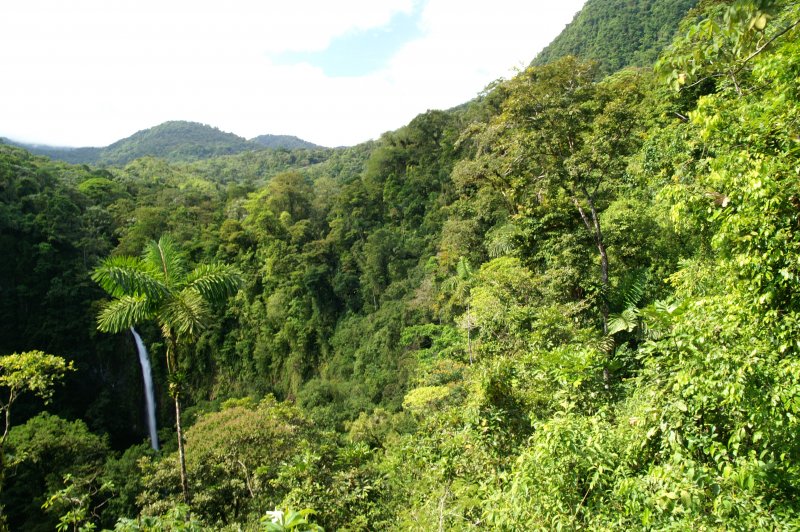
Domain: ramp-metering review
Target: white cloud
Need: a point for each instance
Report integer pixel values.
(89, 72)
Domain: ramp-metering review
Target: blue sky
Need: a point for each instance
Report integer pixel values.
(361, 52)
(90, 72)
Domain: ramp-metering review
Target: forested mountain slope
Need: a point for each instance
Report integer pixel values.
(570, 304)
(68, 155)
(618, 33)
(286, 142)
(174, 141)
(177, 141)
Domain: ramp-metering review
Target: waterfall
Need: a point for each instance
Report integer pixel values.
(144, 360)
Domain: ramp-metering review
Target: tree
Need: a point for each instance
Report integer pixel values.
(56, 460)
(31, 371)
(158, 286)
(459, 286)
(236, 458)
(561, 133)
(723, 45)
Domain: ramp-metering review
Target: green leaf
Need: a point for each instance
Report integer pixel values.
(121, 314)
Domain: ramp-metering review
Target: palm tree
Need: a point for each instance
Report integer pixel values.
(159, 287)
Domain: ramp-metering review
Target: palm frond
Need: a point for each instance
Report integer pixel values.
(605, 344)
(635, 291)
(501, 241)
(449, 284)
(165, 258)
(464, 269)
(121, 276)
(123, 313)
(187, 313)
(214, 282)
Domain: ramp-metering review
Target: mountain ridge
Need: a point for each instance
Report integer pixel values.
(174, 140)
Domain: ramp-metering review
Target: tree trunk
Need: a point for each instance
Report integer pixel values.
(593, 226)
(469, 334)
(181, 453)
(174, 389)
(11, 397)
(601, 247)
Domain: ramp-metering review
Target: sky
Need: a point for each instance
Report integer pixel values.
(336, 73)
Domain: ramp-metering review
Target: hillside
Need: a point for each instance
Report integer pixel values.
(618, 33)
(287, 142)
(58, 153)
(174, 141)
(571, 304)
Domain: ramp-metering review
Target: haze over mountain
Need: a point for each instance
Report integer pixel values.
(288, 142)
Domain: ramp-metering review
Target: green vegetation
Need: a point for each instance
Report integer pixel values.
(618, 33)
(176, 141)
(285, 142)
(570, 304)
(158, 286)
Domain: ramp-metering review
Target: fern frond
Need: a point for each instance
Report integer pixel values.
(449, 284)
(501, 241)
(463, 269)
(635, 292)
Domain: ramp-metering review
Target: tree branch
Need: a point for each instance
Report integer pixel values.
(585, 218)
(746, 59)
(763, 46)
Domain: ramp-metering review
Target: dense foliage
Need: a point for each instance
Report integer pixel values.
(287, 142)
(570, 304)
(618, 33)
(174, 141)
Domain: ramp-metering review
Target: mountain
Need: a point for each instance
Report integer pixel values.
(288, 142)
(60, 153)
(618, 33)
(174, 141)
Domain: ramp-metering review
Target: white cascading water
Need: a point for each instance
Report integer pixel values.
(144, 360)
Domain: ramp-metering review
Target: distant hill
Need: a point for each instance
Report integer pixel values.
(618, 33)
(69, 155)
(288, 142)
(173, 141)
